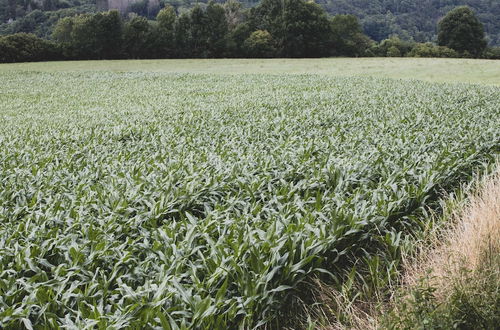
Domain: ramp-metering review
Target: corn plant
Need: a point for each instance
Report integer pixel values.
(176, 201)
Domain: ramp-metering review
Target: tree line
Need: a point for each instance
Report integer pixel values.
(413, 19)
(287, 28)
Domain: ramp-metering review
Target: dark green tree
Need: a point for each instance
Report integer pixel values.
(462, 31)
(199, 32)
(83, 39)
(269, 16)
(182, 36)
(109, 31)
(300, 28)
(91, 36)
(348, 37)
(166, 19)
(431, 50)
(307, 30)
(23, 47)
(236, 39)
(165, 41)
(137, 38)
(392, 47)
(218, 30)
(62, 34)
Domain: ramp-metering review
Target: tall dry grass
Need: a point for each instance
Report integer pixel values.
(450, 256)
(472, 240)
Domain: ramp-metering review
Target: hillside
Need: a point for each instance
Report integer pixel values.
(409, 19)
(413, 19)
(39, 16)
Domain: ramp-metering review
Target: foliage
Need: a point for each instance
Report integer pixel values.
(236, 39)
(296, 28)
(91, 36)
(393, 51)
(218, 29)
(166, 20)
(22, 47)
(138, 37)
(430, 50)
(41, 23)
(198, 32)
(492, 53)
(392, 47)
(300, 28)
(348, 37)
(31, 17)
(182, 36)
(147, 200)
(461, 30)
(473, 303)
(307, 31)
(413, 20)
(17, 9)
(260, 44)
(234, 13)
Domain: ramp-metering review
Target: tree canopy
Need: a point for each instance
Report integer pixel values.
(462, 31)
(412, 20)
(285, 28)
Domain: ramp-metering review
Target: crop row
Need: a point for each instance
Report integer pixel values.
(202, 201)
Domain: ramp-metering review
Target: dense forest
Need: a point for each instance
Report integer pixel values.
(410, 20)
(413, 19)
(288, 28)
(39, 16)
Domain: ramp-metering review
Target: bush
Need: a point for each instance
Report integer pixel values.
(473, 303)
(492, 53)
(393, 47)
(430, 50)
(260, 44)
(393, 51)
(24, 47)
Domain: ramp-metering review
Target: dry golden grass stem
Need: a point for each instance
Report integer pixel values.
(470, 242)
(360, 313)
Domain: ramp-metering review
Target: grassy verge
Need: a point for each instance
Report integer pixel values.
(447, 276)
(486, 72)
(457, 284)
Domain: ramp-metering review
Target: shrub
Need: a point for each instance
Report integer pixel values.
(492, 53)
(392, 47)
(430, 50)
(393, 51)
(24, 47)
(260, 44)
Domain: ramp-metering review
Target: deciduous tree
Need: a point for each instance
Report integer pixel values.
(462, 31)
(260, 44)
(218, 30)
(165, 42)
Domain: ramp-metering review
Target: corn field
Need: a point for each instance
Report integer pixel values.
(176, 201)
